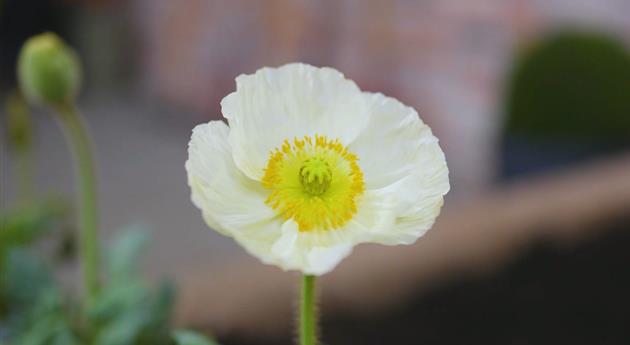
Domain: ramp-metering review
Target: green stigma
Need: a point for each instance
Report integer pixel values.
(315, 176)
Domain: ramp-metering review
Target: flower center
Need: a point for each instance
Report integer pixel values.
(315, 176)
(315, 181)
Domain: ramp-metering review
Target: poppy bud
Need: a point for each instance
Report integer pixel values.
(49, 71)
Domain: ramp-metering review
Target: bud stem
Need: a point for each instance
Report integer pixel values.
(24, 171)
(20, 134)
(308, 313)
(80, 144)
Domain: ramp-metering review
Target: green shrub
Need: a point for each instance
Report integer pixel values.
(571, 85)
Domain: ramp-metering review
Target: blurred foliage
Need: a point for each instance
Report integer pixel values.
(22, 226)
(34, 308)
(26, 223)
(37, 312)
(127, 310)
(571, 85)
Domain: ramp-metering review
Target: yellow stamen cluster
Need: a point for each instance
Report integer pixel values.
(315, 181)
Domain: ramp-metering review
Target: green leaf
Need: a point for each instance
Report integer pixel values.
(183, 337)
(26, 278)
(124, 329)
(26, 223)
(115, 299)
(45, 322)
(128, 311)
(21, 226)
(123, 260)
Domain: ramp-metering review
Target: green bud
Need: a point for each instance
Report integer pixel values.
(49, 71)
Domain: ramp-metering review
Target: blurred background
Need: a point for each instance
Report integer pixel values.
(530, 100)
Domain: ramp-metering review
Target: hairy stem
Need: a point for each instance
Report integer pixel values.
(308, 313)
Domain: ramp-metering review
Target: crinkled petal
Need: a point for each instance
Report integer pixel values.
(227, 198)
(404, 169)
(282, 244)
(291, 101)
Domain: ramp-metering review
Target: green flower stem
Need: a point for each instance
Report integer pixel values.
(308, 313)
(79, 141)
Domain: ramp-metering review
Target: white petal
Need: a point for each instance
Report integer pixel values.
(283, 245)
(291, 101)
(322, 260)
(405, 172)
(227, 198)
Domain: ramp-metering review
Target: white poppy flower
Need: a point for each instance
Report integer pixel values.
(309, 166)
